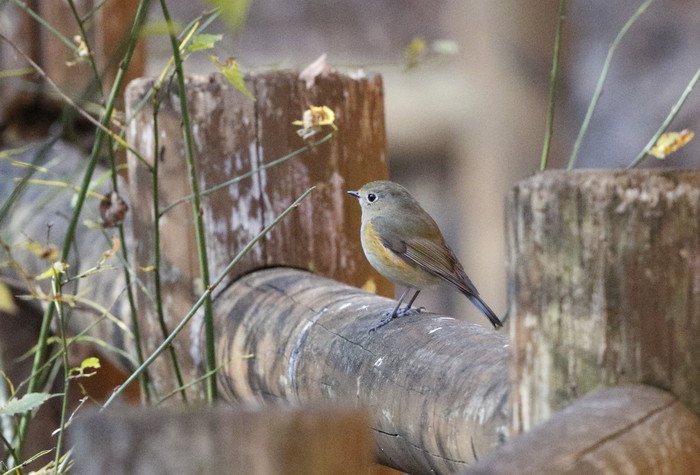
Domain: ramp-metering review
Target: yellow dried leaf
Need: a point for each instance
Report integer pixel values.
(7, 302)
(670, 142)
(313, 120)
(115, 247)
(415, 51)
(48, 251)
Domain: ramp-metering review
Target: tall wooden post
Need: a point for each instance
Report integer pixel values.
(604, 286)
(233, 136)
(106, 24)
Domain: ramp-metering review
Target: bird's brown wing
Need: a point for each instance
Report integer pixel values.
(430, 253)
(438, 259)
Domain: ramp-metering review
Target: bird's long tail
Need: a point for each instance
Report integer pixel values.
(485, 309)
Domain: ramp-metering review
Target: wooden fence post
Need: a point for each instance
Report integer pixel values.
(25, 113)
(436, 387)
(604, 286)
(233, 136)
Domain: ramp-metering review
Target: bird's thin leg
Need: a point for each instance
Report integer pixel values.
(396, 313)
(410, 302)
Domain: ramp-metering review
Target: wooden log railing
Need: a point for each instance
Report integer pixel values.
(621, 429)
(436, 387)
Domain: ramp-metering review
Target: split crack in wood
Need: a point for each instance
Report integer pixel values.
(347, 340)
(623, 430)
(422, 449)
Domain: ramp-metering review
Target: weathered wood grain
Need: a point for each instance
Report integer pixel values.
(623, 429)
(234, 135)
(436, 387)
(604, 276)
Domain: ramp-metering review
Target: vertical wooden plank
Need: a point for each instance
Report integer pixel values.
(226, 148)
(18, 116)
(26, 113)
(57, 59)
(325, 230)
(177, 245)
(115, 20)
(106, 31)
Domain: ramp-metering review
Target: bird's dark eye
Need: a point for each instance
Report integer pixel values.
(371, 197)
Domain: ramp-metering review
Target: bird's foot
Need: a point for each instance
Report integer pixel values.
(391, 315)
(404, 312)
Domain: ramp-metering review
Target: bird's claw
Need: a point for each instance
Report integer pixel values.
(409, 311)
(404, 312)
(391, 315)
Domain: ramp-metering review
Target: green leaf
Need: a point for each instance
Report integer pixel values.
(91, 362)
(56, 268)
(233, 74)
(24, 404)
(203, 41)
(234, 12)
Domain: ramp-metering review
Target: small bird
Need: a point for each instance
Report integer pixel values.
(405, 245)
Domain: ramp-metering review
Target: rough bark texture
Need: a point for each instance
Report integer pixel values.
(234, 135)
(312, 441)
(605, 286)
(624, 429)
(436, 387)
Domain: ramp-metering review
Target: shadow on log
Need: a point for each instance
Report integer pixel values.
(436, 387)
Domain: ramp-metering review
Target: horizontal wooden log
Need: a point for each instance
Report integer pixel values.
(436, 387)
(622, 429)
(311, 441)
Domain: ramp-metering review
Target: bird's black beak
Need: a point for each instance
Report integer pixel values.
(356, 194)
